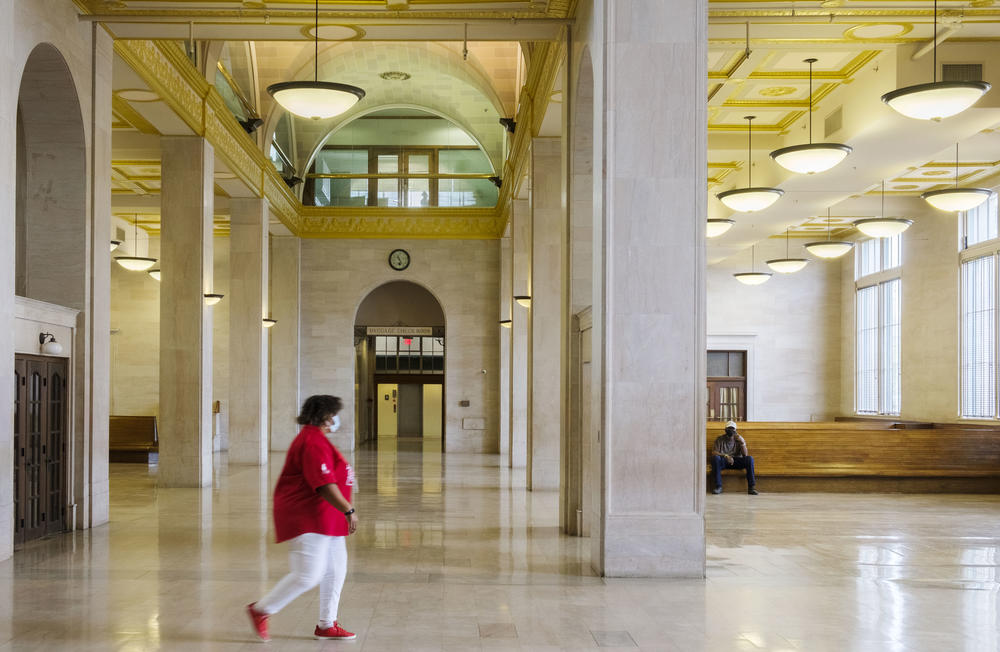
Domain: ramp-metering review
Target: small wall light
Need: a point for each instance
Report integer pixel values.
(49, 345)
(155, 273)
(505, 323)
(212, 299)
(268, 322)
(524, 300)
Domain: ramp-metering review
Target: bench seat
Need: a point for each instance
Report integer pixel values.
(133, 439)
(876, 455)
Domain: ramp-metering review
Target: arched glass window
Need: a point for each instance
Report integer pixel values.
(401, 158)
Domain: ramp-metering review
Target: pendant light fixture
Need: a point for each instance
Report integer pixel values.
(268, 322)
(752, 277)
(812, 157)
(115, 244)
(938, 99)
(717, 227)
(523, 300)
(506, 323)
(883, 227)
(315, 99)
(155, 273)
(211, 298)
(750, 199)
(135, 263)
(787, 265)
(956, 199)
(829, 248)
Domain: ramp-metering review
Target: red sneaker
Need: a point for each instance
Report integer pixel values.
(335, 632)
(259, 622)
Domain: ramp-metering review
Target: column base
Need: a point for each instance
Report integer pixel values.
(660, 545)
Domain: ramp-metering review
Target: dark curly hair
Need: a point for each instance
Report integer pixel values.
(317, 408)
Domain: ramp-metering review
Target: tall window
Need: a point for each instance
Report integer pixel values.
(877, 284)
(979, 268)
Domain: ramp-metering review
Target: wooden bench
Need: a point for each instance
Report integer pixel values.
(133, 439)
(867, 455)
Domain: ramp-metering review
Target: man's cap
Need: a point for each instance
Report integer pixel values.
(731, 424)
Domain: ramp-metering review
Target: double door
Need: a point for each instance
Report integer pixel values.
(40, 433)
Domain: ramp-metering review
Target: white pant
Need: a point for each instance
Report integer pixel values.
(313, 559)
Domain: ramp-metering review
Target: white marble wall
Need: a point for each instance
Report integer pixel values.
(284, 345)
(462, 274)
(930, 318)
(248, 359)
(135, 346)
(187, 202)
(650, 266)
(548, 323)
(520, 239)
(27, 25)
(786, 326)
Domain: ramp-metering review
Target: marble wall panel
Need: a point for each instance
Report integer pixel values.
(791, 328)
(284, 345)
(462, 274)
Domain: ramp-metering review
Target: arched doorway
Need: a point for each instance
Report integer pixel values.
(51, 267)
(399, 364)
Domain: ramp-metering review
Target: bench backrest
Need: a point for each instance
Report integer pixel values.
(132, 430)
(869, 448)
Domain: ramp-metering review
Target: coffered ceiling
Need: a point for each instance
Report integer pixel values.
(755, 67)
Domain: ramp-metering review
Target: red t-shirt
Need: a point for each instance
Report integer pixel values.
(312, 462)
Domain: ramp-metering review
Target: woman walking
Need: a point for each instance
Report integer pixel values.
(313, 511)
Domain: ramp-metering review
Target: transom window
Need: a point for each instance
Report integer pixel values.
(396, 354)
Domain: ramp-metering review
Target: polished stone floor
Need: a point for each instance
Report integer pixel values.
(453, 554)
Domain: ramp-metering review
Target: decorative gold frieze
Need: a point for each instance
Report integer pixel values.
(446, 223)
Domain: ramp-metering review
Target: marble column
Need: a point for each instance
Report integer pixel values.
(248, 359)
(520, 376)
(504, 338)
(186, 207)
(649, 322)
(285, 262)
(548, 257)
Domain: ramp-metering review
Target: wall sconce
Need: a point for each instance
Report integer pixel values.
(509, 124)
(524, 300)
(49, 345)
(115, 244)
(496, 181)
(251, 124)
(212, 299)
(292, 181)
(505, 323)
(268, 322)
(155, 273)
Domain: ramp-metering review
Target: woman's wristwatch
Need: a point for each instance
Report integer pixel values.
(349, 512)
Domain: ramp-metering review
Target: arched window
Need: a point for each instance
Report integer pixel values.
(401, 158)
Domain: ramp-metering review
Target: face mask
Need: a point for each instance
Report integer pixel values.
(335, 426)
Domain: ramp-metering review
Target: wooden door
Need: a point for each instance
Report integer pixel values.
(39, 447)
(727, 386)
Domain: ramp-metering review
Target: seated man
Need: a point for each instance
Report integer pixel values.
(730, 452)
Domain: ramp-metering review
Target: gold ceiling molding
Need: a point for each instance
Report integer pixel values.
(169, 73)
(124, 111)
(436, 223)
(546, 58)
(780, 127)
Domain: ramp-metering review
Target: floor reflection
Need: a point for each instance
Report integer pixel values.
(453, 553)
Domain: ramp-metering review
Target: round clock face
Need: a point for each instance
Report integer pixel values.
(399, 259)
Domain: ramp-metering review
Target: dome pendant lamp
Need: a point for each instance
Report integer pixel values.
(938, 99)
(752, 277)
(956, 199)
(315, 99)
(750, 199)
(135, 263)
(883, 227)
(829, 248)
(812, 157)
(717, 227)
(787, 265)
